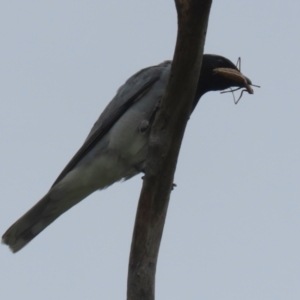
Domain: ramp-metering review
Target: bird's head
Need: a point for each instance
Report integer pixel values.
(219, 73)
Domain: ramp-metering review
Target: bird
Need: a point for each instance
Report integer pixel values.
(116, 147)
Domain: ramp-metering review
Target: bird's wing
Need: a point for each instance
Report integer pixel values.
(128, 94)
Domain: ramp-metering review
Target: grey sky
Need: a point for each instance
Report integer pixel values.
(232, 229)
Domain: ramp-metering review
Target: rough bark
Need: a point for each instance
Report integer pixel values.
(165, 142)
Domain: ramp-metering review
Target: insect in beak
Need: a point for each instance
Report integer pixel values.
(239, 78)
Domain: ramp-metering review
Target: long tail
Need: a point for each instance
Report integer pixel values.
(31, 224)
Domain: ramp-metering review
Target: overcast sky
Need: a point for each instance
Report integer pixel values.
(232, 230)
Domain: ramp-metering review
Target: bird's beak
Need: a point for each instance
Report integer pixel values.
(236, 76)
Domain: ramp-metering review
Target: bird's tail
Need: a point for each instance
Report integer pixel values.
(30, 224)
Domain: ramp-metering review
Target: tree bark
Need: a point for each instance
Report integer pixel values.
(165, 141)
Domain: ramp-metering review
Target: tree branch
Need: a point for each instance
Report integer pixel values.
(165, 141)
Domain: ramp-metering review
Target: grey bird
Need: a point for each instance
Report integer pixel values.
(116, 147)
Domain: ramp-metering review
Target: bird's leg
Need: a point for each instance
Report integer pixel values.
(152, 116)
(144, 125)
